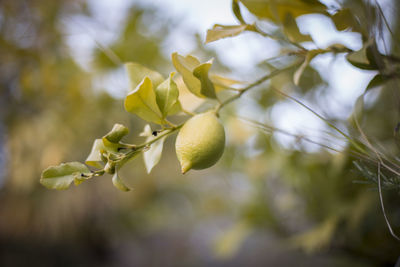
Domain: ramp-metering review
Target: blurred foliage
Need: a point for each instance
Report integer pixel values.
(263, 205)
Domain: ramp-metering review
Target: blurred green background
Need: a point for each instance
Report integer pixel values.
(264, 204)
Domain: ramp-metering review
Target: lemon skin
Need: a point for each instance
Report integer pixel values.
(200, 142)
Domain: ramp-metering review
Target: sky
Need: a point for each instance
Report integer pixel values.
(240, 53)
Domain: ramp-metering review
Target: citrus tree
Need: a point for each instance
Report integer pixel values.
(200, 141)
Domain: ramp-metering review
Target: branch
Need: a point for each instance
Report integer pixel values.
(258, 82)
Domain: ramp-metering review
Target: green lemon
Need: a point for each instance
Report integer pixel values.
(201, 142)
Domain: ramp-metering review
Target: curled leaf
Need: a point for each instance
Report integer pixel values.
(118, 183)
(194, 75)
(223, 31)
(94, 159)
(167, 96)
(118, 131)
(292, 31)
(153, 155)
(60, 177)
(142, 102)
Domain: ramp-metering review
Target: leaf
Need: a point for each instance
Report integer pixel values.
(176, 108)
(146, 131)
(118, 183)
(362, 58)
(310, 55)
(276, 10)
(223, 83)
(223, 31)
(310, 79)
(142, 102)
(117, 132)
(358, 108)
(111, 141)
(167, 95)
(185, 66)
(378, 80)
(199, 83)
(343, 19)
(236, 11)
(94, 159)
(207, 87)
(153, 155)
(137, 72)
(292, 31)
(61, 176)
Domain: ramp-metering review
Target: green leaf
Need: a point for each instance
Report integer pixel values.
(185, 66)
(236, 11)
(153, 155)
(118, 183)
(146, 131)
(310, 79)
(378, 80)
(343, 19)
(176, 108)
(292, 31)
(94, 159)
(167, 95)
(298, 73)
(223, 83)
(142, 102)
(224, 31)
(362, 58)
(117, 132)
(60, 177)
(358, 109)
(194, 75)
(207, 87)
(276, 10)
(137, 72)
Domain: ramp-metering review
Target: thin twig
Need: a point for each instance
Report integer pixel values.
(258, 82)
(377, 153)
(383, 206)
(274, 129)
(323, 119)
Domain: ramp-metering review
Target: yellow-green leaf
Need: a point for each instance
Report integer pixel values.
(224, 31)
(207, 87)
(153, 155)
(276, 10)
(137, 72)
(118, 183)
(176, 108)
(60, 177)
(142, 102)
(94, 159)
(362, 58)
(343, 19)
(309, 56)
(237, 12)
(117, 132)
(194, 75)
(292, 31)
(185, 66)
(167, 95)
(223, 83)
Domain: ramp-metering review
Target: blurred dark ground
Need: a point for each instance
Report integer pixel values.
(300, 209)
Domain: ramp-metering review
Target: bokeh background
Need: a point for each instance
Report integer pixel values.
(272, 200)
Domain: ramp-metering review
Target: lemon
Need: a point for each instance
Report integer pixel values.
(201, 142)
